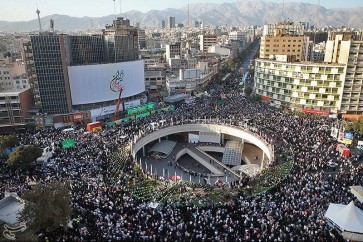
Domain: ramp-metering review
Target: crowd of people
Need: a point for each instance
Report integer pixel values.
(103, 210)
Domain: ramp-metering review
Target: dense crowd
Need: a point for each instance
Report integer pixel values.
(104, 210)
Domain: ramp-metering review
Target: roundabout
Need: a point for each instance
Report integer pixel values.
(207, 178)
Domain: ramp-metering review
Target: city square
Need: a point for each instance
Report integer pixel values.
(204, 123)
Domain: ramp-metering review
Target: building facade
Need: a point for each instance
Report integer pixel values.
(206, 41)
(289, 28)
(171, 22)
(301, 86)
(173, 51)
(280, 44)
(141, 39)
(350, 53)
(14, 106)
(121, 41)
(48, 57)
(238, 37)
(155, 81)
(50, 85)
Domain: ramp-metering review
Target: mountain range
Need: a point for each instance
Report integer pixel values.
(239, 13)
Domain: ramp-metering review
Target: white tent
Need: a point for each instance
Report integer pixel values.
(358, 192)
(348, 219)
(10, 207)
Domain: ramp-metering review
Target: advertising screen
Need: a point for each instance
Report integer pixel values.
(100, 83)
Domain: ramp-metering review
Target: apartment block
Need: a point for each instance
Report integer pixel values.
(206, 41)
(281, 44)
(348, 52)
(300, 85)
(14, 106)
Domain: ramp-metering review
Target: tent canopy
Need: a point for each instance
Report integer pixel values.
(348, 218)
(358, 192)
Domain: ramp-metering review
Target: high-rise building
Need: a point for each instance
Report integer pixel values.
(197, 24)
(171, 22)
(47, 68)
(300, 86)
(141, 38)
(348, 52)
(206, 41)
(85, 49)
(173, 51)
(49, 55)
(163, 24)
(282, 43)
(121, 41)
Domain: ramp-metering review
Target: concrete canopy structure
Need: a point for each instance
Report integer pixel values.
(164, 147)
(216, 128)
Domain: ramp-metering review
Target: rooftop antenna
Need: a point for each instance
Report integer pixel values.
(283, 9)
(120, 7)
(188, 15)
(114, 9)
(318, 14)
(38, 12)
(51, 25)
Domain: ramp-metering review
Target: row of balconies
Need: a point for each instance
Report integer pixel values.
(274, 76)
(314, 70)
(310, 95)
(297, 101)
(317, 84)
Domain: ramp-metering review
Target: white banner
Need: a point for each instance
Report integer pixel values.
(100, 83)
(98, 112)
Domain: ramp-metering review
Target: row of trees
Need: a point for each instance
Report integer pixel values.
(356, 125)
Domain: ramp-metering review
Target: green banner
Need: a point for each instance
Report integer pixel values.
(111, 124)
(141, 115)
(69, 143)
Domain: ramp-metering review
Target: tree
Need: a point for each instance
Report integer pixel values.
(358, 125)
(229, 65)
(47, 206)
(248, 90)
(23, 156)
(348, 126)
(8, 141)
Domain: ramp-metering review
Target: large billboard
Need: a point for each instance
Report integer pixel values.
(100, 83)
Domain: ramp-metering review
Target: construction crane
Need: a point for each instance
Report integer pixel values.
(118, 102)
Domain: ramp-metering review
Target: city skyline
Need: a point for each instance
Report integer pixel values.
(25, 10)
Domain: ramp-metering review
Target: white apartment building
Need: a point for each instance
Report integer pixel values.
(188, 80)
(223, 52)
(238, 36)
(12, 77)
(301, 85)
(350, 54)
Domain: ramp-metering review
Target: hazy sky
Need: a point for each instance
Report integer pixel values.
(19, 10)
